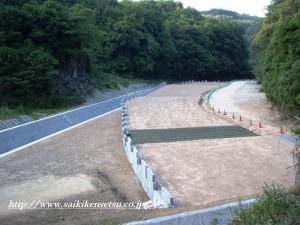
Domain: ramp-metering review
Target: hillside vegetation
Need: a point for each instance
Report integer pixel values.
(222, 13)
(277, 47)
(250, 24)
(275, 205)
(54, 52)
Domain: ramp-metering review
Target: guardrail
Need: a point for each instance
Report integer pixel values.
(22, 135)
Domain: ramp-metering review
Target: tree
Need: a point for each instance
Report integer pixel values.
(83, 44)
(26, 75)
(278, 49)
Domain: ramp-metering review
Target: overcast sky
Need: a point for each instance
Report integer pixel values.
(251, 7)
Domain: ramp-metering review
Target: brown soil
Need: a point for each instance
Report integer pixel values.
(85, 163)
(208, 172)
(89, 163)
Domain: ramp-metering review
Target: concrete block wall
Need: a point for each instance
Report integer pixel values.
(221, 215)
(146, 176)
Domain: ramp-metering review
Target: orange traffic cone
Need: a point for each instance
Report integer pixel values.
(281, 130)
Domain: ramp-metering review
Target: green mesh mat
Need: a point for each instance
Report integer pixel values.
(188, 134)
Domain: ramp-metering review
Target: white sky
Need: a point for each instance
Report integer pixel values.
(251, 7)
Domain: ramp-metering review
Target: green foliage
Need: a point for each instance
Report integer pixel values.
(277, 45)
(275, 206)
(24, 72)
(297, 131)
(35, 113)
(229, 14)
(37, 42)
(109, 222)
(54, 52)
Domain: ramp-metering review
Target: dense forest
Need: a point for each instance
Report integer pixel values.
(277, 47)
(54, 52)
(222, 13)
(250, 24)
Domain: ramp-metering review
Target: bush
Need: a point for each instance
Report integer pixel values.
(275, 206)
(26, 75)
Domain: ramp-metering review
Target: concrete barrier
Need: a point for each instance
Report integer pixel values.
(148, 179)
(221, 215)
(196, 82)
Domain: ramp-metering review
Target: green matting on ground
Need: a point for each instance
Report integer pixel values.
(188, 134)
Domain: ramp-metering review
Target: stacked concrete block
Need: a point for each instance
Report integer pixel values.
(149, 181)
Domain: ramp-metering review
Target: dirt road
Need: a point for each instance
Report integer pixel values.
(85, 163)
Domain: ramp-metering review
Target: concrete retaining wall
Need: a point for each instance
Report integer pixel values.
(148, 179)
(18, 136)
(221, 215)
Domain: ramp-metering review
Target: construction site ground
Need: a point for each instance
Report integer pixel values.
(89, 163)
(213, 171)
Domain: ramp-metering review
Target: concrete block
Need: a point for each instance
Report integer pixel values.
(150, 190)
(139, 172)
(139, 160)
(144, 168)
(129, 144)
(156, 186)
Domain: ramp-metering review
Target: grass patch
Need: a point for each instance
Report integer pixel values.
(275, 206)
(111, 81)
(109, 222)
(41, 107)
(36, 113)
(57, 103)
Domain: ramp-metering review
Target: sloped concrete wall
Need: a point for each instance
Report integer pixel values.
(142, 169)
(220, 215)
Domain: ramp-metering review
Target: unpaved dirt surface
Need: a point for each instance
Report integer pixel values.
(173, 106)
(208, 172)
(245, 98)
(89, 163)
(85, 163)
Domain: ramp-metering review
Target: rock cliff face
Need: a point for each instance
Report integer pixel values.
(75, 78)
